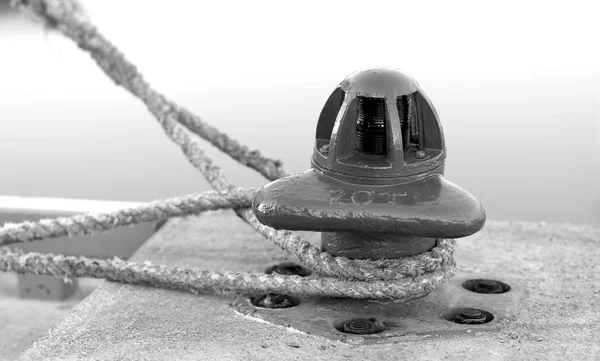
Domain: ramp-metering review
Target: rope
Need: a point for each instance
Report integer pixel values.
(440, 257)
(403, 279)
(97, 222)
(68, 17)
(194, 280)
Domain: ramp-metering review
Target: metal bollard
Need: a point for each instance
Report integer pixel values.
(376, 188)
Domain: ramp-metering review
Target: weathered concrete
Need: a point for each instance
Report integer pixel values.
(559, 318)
(22, 321)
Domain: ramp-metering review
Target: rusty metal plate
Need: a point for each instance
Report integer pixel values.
(411, 321)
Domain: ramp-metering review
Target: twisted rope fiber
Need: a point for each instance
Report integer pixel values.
(210, 200)
(195, 280)
(429, 269)
(97, 222)
(192, 204)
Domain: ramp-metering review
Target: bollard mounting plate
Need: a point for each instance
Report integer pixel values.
(410, 321)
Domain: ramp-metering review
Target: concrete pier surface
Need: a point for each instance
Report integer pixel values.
(558, 318)
(22, 321)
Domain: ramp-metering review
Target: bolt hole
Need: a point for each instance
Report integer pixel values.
(468, 316)
(289, 269)
(483, 285)
(274, 301)
(360, 326)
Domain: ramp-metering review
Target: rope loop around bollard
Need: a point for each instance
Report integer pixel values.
(401, 279)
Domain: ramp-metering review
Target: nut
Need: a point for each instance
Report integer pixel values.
(470, 316)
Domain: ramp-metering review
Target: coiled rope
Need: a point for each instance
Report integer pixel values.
(401, 279)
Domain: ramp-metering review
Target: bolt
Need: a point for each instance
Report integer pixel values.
(470, 313)
(469, 316)
(362, 326)
(376, 187)
(276, 300)
(289, 269)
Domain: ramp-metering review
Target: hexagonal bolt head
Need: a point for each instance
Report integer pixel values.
(469, 316)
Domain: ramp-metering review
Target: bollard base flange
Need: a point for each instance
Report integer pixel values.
(425, 318)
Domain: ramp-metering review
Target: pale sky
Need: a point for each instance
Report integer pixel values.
(516, 84)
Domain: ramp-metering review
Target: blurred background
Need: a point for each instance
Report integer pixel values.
(516, 84)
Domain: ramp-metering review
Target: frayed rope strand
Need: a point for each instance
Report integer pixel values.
(97, 222)
(202, 281)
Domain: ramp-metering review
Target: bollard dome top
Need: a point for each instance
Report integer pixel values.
(378, 123)
(379, 82)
